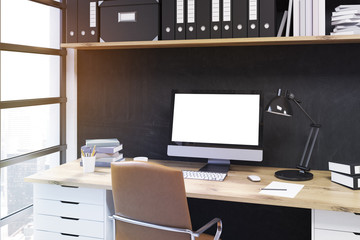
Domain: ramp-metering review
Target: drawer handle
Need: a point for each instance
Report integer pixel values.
(68, 186)
(357, 213)
(68, 202)
(70, 235)
(69, 218)
(357, 234)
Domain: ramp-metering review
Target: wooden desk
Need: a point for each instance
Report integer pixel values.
(319, 193)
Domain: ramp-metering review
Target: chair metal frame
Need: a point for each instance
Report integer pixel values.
(174, 229)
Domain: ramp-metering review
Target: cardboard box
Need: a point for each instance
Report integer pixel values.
(129, 20)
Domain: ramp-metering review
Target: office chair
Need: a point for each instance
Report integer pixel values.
(150, 204)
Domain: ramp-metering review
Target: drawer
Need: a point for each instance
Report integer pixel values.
(72, 194)
(79, 227)
(42, 235)
(341, 221)
(322, 234)
(69, 209)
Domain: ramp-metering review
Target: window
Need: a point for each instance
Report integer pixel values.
(29, 129)
(15, 193)
(32, 105)
(23, 71)
(29, 23)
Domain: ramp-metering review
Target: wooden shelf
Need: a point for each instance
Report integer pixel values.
(227, 42)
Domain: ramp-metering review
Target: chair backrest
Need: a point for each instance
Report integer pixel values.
(152, 193)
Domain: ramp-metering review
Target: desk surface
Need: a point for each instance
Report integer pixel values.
(319, 193)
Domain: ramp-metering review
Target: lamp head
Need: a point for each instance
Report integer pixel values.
(280, 105)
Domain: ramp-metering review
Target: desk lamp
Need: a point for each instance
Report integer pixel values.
(281, 105)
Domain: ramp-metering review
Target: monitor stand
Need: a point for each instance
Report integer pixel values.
(216, 165)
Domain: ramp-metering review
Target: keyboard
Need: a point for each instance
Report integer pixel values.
(210, 176)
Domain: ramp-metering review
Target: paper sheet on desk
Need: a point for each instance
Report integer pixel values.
(291, 189)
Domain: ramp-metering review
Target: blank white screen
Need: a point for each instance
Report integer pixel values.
(216, 118)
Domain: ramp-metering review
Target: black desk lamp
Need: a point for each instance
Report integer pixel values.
(281, 105)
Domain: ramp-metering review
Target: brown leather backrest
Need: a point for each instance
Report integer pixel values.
(152, 193)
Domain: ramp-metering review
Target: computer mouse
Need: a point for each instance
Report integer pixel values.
(144, 159)
(254, 178)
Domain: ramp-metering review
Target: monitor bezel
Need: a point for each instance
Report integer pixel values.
(218, 145)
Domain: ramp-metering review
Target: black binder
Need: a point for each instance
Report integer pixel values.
(351, 181)
(267, 18)
(180, 31)
(88, 21)
(191, 19)
(351, 167)
(253, 18)
(168, 20)
(240, 18)
(216, 15)
(71, 21)
(203, 16)
(226, 19)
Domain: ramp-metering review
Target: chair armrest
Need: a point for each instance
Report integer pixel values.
(174, 229)
(208, 225)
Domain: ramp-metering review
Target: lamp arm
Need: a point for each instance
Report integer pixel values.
(309, 146)
(291, 97)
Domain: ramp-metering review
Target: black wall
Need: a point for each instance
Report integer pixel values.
(126, 94)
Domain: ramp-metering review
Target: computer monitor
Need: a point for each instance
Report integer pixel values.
(220, 126)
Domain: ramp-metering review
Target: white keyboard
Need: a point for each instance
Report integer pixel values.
(210, 176)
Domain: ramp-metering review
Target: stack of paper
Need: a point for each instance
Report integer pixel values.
(346, 19)
(282, 189)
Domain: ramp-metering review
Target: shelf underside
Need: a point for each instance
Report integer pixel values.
(225, 42)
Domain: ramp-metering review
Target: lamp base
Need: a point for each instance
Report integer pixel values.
(293, 175)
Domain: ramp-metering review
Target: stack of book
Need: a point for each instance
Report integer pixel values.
(107, 151)
(346, 19)
(347, 174)
(306, 17)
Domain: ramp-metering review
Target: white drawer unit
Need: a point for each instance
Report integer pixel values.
(69, 209)
(69, 193)
(43, 235)
(70, 226)
(322, 234)
(65, 212)
(329, 225)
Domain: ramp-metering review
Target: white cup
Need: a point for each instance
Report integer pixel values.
(88, 164)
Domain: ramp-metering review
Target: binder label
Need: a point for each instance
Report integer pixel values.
(92, 14)
(227, 11)
(252, 9)
(191, 11)
(179, 11)
(215, 10)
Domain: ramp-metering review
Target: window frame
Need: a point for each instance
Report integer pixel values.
(62, 100)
